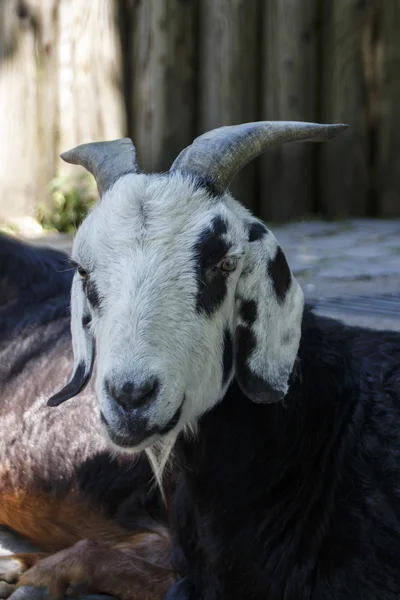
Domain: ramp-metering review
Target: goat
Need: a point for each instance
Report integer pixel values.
(284, 426)
(60, 487)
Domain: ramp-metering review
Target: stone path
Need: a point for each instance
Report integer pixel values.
(348, 256)
(357, 258)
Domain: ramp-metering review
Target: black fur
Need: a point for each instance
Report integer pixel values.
(298, 500)
(248, 312)
(279, 271)
(92, 294)
(205, 183)
(183, 590)
(34, 285)
(86, 320)
(257, 231)
(211, 284)
(255, 388)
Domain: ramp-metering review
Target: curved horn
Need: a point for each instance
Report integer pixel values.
(221, 153)
(106, 161)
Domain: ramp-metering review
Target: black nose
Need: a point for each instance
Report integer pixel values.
(131, 396)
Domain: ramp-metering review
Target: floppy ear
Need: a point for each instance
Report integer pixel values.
(82, 343)
(270, 307)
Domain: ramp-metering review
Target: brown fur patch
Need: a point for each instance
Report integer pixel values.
(57, 523)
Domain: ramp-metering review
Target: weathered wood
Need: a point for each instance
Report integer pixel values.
(388, 134)
(289, 86)
(164, 71)
(92, 105)
(228, 74)
(345, 173)
(18, 112)
(45, 15)
(60, 85)
(162, 85)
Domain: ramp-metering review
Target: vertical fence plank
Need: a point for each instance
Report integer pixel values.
(290, 40)
(18, 111)
(228, 74)
(345, 174)
(162, 86)
(388, 134)
(46, 13)
(92, 105)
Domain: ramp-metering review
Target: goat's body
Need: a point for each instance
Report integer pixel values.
(299, 501)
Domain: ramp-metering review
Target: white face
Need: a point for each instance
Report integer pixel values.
(181, 288)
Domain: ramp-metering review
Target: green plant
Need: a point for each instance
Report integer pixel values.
(71, 201)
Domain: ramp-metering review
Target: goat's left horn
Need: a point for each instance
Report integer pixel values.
(221, 153)
(106, 161)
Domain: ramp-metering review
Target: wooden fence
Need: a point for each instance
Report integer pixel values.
(164, 71)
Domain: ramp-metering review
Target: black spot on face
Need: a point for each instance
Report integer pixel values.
(253, 386)
(279, 271)
(227, 357)
(211, 283)
(78, 382)
(219, 226)
(86, 320)
(248, 312)
(92, 294)
(257, 231)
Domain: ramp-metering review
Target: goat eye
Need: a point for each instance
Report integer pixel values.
(82, 272)
(228, 264)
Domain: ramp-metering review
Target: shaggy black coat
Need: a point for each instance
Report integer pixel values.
(298, 500)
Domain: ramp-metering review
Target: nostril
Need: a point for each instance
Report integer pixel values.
(131, 396)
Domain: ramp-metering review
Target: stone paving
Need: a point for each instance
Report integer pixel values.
(353, 257)
(350, 252)
(358, 257)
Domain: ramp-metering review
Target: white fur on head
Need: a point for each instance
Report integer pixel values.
(184, 286)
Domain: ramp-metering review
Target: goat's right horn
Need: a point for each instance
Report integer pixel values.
(220, 153)
(106, 161)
